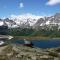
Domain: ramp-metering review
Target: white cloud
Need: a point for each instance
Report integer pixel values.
(21, 5)
(3, 17)
(24, 16)
(53, 2)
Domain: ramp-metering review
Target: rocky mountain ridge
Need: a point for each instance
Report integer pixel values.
(29, 22)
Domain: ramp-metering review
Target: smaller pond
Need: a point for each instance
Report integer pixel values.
(40, 43)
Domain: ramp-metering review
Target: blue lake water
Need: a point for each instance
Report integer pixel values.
(41, 43)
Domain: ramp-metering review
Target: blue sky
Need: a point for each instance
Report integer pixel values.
(35, 7)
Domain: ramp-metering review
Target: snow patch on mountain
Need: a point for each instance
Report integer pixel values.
(47, 22)
(1, 23)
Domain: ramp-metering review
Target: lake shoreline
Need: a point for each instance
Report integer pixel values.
(34, 38)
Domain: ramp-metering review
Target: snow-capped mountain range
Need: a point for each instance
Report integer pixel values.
(25, 19)
(48, 21)
(30, 20)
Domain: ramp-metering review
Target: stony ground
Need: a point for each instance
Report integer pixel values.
(19, 52)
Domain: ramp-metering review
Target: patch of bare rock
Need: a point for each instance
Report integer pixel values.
(19, 52)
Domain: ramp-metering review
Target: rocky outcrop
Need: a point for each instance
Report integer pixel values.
(14, 52)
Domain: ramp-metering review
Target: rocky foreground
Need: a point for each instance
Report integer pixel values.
(19, 52)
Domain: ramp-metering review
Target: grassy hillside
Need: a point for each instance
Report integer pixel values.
(33, 32)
